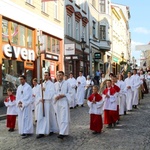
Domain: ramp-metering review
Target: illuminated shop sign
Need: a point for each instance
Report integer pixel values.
(15, 52)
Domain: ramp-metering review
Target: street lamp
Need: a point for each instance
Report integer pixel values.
(83, 44)
(122, 55)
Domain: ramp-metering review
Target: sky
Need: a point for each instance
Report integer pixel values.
(139, 23)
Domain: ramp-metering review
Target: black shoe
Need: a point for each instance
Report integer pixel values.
(135, 107)
(71, 107)
(11, 130)
(51, 133)
(40, 136)
(82, 105)
(95, 132)
(109, 126)
(24, 136)
(117, 122)
(60, 136)
(77, 105)
(114, 124)
(125, 113)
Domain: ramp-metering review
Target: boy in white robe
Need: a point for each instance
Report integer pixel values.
(136, 85)
(61, 104)
(122, 95)
(81, 83)
(24, 104)
(35, 95)
(129, 92)
(46, 118)
(72, 82)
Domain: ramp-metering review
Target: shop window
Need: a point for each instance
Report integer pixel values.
(29, 38)
(11, 70)
(14, 33)
(53, 45)
(57, 47)
(5, 33)
(48, 43)
(22, 35)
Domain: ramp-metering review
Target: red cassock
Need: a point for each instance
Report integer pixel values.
(110, 116)
(11, 119)
(117, 90)
(96, 123)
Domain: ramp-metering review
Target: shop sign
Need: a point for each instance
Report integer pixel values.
(51, 56)
(115, 59)
(15, 52)
(52, 70)
(97, 55)
(69, 49)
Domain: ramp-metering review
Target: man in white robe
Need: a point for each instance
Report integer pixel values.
(46, 119)
(61, 104)
(23, 101)
(72, 82)
(81, 83)
(129, 92)
(136, 85)
(35, 96)
(122, 95)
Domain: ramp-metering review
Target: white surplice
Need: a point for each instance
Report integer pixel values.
(129, 93)
(135, 87)
(11, 107)
(61, 106)
(35, 96)
(96, 108)
(25, 117)
(81, 90)
(72, 82)
(47, 123)
(111, 102)
(121, 97)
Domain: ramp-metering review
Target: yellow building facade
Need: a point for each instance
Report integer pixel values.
(25, 23)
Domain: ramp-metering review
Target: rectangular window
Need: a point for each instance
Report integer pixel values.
(102, 32)
(69, 27)
(30, 1)
(56, 9)
(84, 33)
(22, 36)
(102, 6)
(77, 31)
(44, 7)
(94, 3)
(94, 29)
(14, 33)
(5, 33)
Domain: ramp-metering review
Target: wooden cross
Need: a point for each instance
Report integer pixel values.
(38, 45)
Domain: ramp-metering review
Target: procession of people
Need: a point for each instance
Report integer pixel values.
(48, 104)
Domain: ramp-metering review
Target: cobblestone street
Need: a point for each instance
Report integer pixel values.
(133, 133)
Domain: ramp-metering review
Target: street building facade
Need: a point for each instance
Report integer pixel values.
(32, 28)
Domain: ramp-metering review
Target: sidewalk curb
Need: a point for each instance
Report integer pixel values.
(2, 117)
